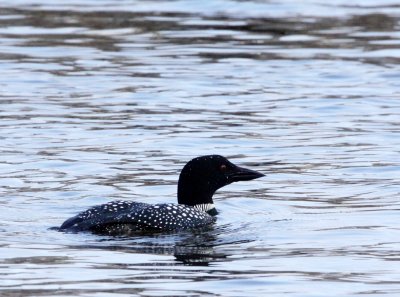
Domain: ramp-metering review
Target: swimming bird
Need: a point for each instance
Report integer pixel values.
(198, 181)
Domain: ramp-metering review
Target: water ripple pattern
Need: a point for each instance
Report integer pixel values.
(104, 100)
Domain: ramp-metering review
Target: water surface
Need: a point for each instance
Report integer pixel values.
(105, 100)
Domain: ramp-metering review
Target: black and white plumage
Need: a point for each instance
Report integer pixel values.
(198, 181)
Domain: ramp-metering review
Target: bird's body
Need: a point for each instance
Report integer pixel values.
(124, 217)
(198, 181)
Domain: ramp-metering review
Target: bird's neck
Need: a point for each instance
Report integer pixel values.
(196, 195)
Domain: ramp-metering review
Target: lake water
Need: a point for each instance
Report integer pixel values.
(103, 100)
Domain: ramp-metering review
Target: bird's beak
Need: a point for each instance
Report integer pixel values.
(243, 174)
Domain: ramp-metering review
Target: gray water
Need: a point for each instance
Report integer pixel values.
(103, 100)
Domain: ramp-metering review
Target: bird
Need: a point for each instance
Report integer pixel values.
(199, 179)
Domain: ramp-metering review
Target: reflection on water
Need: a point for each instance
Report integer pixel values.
(190, 248)
(109, 99)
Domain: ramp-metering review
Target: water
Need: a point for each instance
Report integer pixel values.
(105, 100)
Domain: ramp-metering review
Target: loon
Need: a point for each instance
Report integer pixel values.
(198, 181)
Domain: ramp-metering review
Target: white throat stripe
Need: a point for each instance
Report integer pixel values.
(204, 207)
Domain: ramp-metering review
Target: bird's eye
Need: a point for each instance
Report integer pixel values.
(222, 168)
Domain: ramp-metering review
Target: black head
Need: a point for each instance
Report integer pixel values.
(202, 176)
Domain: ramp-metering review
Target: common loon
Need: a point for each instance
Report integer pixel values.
(198, 181)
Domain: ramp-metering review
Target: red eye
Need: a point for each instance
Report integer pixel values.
(222, 168)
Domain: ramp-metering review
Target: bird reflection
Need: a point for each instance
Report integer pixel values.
(198, 250)
(195, 247)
